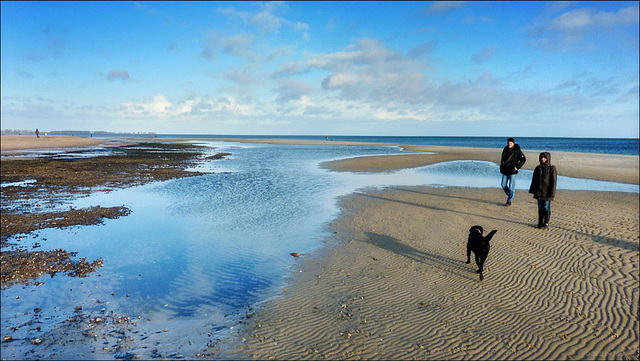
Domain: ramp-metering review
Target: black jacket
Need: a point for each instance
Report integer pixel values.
(512, 158)
(543, 183)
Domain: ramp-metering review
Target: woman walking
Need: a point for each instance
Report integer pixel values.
(543, 187)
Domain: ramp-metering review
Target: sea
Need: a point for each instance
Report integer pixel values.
(198, 254)
(629, 146)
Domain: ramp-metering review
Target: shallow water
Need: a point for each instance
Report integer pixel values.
(197, 249)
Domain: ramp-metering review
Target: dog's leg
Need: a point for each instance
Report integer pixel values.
(468, 253)
(481, 257)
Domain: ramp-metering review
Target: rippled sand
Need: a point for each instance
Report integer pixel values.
(395, 284)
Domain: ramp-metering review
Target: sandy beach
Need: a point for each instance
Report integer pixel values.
(393, 283)
(24, 142)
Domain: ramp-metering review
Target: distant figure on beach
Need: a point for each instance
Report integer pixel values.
(512, 160)
(37, 133)
(543, 187)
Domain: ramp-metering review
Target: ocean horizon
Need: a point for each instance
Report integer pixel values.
(624, 146)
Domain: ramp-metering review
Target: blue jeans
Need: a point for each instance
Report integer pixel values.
(544, 205)
(509, 186)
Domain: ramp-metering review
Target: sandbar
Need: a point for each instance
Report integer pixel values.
(606, 167)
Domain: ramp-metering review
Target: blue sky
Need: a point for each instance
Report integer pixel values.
(324, 68)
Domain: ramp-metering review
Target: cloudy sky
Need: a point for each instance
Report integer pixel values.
(323, 68)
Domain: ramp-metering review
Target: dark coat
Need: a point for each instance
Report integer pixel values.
(543, 183)
(512, 158)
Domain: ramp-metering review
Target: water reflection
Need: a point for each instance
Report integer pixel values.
(196, 249)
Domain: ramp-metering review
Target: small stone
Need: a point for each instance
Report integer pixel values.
(36, 341)
(7, 339)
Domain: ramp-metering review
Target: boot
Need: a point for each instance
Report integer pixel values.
(547, 215)
(540, 219)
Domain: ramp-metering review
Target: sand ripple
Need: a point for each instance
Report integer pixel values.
(396, 285)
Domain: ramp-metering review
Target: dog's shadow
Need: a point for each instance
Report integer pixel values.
(443, 263)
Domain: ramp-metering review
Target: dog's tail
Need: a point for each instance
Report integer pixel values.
(490, 235)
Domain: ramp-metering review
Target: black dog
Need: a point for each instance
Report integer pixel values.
(479, 245)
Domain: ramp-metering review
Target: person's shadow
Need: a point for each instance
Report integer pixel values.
(426, 206)
(455, 266)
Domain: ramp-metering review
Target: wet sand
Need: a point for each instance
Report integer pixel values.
(393, 283)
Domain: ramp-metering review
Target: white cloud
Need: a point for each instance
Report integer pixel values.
(369, 72)
(161, 108)
(265, 19)
(238, 45)
(239, 76)
(568, 30)
(582, 19)
(158, 106)
(289, 89)
(369, 81)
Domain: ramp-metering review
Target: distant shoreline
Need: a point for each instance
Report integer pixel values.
(597, 166)
(625, 145)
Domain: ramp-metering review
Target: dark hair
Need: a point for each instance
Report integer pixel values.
(511, 140)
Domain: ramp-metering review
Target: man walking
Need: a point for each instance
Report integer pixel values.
(512, 160)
